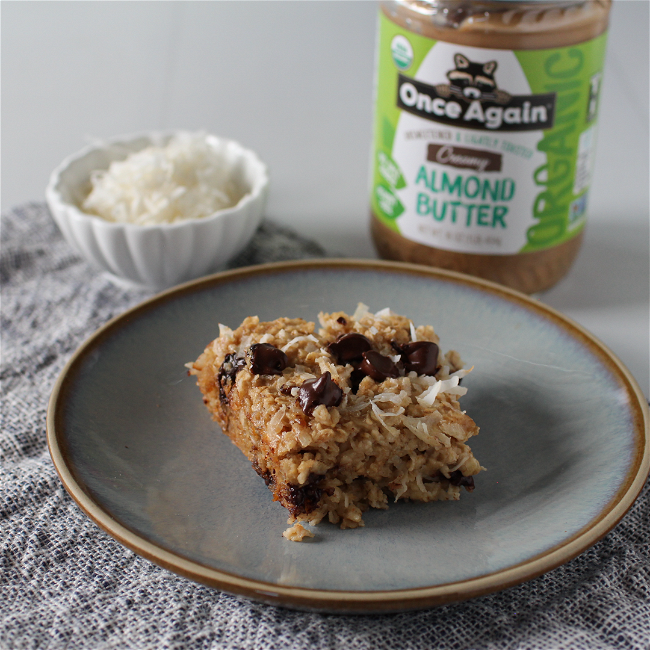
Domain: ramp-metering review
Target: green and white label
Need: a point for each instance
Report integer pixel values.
(402, 52)
(481, 150)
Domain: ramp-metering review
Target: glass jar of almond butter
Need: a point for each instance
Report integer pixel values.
(484, 134)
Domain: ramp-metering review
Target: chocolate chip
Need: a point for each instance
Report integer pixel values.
(341, 320)
(266, 359)
(420, 356)
(377, 366)
(315, 392)
(356, 377)
(302, 499)
(313, 478)
(457, 478)
(228, 373)
(268, 477)
(348, 348)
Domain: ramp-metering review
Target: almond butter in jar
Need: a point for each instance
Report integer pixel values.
(484, 135)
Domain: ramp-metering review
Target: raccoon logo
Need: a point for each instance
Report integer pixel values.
(472, 99)
(471, 81)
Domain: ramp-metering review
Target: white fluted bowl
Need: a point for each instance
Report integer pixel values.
(157, 256)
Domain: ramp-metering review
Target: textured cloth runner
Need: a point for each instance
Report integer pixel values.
(66, 584)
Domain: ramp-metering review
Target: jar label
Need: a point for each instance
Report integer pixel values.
(482, 150)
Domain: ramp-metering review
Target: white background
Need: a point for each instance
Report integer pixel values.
(293, 81)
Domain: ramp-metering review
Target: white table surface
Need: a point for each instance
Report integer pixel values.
(293, 81)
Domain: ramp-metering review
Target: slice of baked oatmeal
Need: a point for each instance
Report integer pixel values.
(340, 420)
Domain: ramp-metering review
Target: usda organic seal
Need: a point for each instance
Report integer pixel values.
(402, 52)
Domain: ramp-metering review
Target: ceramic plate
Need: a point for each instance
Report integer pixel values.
(564, 438)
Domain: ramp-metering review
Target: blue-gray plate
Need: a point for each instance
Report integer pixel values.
(564, 438)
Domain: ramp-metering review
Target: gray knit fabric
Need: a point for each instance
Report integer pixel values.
(66, 584)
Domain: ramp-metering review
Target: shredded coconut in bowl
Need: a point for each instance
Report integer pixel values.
(189, 178)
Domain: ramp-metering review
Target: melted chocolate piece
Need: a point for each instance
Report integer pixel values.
(356, 377)
(227, 374)
(303, 499)
(377, 366)
(269, 479)
(457, 478)
(266, 359)
(313, 478)
(315, 392)
(348, 348)
(420, 356)
(341, 320)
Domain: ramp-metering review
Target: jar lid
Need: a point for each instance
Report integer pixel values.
(432, 3)
(521, 2)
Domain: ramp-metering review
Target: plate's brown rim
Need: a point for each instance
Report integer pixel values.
(363, 601)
